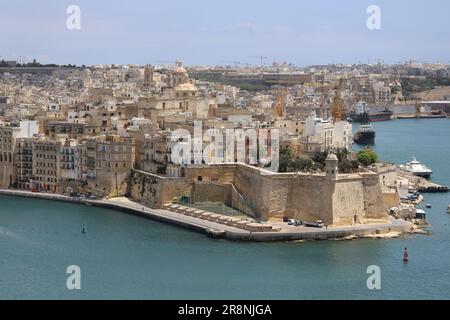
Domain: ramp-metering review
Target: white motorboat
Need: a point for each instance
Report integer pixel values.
(417, 168)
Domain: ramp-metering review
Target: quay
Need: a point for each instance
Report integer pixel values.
(430, 187)
(280, 232)
(421, 184)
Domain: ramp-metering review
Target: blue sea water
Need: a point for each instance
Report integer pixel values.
(127, 257)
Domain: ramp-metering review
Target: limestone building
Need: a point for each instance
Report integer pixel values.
(114, 159)
(24, 162)
(46, 165)
(9, 133)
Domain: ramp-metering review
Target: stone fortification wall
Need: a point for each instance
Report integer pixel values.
(154, 190)
(341, 200)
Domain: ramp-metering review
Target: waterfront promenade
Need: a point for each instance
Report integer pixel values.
(285, 232)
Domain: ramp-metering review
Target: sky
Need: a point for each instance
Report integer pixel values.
(213, 32)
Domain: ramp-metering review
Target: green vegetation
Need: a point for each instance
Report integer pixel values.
(348, 166)
(35, 64)
(415, 85)
(346, 163)
(248, 85)
(367, 157)
(289, 163)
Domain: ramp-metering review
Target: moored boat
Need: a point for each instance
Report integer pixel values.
(362, 110)
(417, 168)
(365, 135)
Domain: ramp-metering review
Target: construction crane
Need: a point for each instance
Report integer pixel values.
(280, 103)
(320, 110)
(337, 105)
(236, 63)
(261, 58)
(302, 102)
(417, 106)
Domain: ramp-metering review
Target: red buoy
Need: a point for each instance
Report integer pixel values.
(405, 255)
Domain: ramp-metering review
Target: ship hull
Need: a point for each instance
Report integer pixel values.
(364, 138)
(374, 117)
(422, 174)
(431, 116)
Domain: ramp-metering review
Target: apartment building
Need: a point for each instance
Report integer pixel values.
(46, 165)
(67, 160)
(24, 162)
(9, 133)
(115, 156)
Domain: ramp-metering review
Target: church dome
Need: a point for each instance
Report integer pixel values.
(186, 87)
(180, 69)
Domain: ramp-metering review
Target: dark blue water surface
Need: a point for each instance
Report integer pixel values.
(128, 257)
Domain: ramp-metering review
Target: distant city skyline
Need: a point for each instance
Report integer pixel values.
(212, 33)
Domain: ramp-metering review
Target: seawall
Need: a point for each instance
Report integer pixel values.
(218, 230)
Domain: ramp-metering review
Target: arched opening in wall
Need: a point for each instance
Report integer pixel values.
(182, 172)
(199, 178)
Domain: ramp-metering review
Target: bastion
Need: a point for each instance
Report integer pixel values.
(336, 199)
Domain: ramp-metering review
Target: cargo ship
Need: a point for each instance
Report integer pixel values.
(374, 115)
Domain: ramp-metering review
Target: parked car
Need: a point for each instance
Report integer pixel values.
(317, 224)
(298, 222)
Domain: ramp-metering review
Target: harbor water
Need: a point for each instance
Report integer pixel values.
(128, 257)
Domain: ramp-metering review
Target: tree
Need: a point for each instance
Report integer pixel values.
(285, 159)
(348, 166)
(301, 164)
(319, 158)
(288, 162)
(346, 163)
(342, 154)
(367, 157)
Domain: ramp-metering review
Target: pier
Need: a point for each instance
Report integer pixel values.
(421, 184)
(429, 187)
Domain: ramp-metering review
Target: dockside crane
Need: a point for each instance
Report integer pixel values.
(261, 58)
(280, 103)
(337, 105)
(236, 63)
